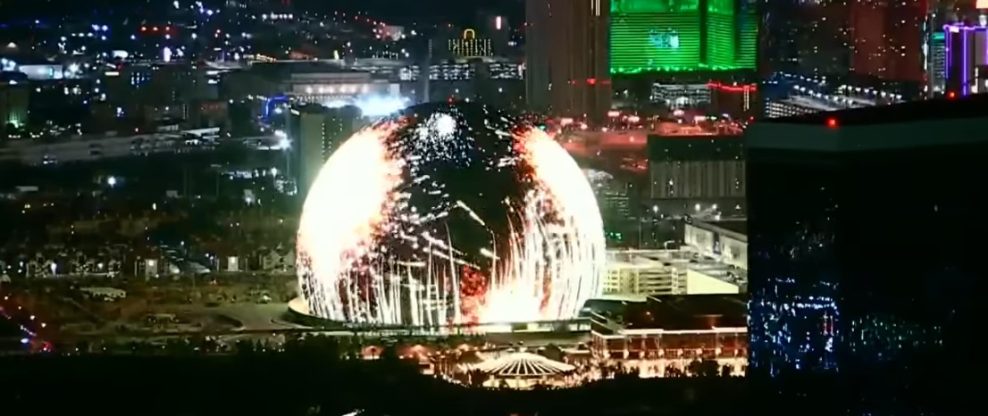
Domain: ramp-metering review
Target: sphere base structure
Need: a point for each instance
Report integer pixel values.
(298, 312)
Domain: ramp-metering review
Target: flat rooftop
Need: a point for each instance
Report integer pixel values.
(685, 148)
(676, 259)
(739, 226)
(900, 126)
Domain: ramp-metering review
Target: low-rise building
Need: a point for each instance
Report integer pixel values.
(278, 259)
(666, 335)
(643, 272)
(670, 272)
(725, 241)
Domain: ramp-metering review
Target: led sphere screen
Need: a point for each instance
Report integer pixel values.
(449, 214)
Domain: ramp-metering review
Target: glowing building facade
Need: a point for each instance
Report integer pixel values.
(14, 98)
(863, 261)
(936, 63)
(966, 59)
(683, 35)
(470, 46)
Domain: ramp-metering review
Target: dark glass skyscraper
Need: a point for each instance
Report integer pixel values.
(866, 253)
(876, 41)
(566, 57)
(809, 38)
(888, 39)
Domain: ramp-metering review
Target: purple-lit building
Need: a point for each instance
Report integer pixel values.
(966, 58)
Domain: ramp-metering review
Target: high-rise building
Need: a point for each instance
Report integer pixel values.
(810, 38)
(878, 40)
(496, 27)
(942, 16)
(936, 63)
(777, 37)
(865, 253)
(683, 35)
(316, 132)
(14, 97)
(888, 39)
(965, 59)
(566, 57)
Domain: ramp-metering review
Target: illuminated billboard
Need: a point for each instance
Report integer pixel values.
(682, 35)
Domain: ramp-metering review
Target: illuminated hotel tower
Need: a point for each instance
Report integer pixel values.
(470, 46)
(567, 57)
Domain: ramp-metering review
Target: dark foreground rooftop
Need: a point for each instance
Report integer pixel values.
(972, 106)
(915, 125)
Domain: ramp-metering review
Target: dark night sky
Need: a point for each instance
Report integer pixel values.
(402, 9)
(459, 11)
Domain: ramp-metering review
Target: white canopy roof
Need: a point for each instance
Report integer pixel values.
(522, 364)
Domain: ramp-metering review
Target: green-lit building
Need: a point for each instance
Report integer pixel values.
(14, 99)
(649, 36)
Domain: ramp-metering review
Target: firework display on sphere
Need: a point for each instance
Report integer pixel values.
(449, 214)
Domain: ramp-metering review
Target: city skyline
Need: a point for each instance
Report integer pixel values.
(503, 207)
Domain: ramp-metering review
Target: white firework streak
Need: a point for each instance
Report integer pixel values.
(345, 206)
(551, 263)
(557, 254)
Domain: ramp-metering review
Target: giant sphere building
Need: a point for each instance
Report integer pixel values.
(449, 214)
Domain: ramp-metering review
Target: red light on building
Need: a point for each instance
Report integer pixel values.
(591, 81)
(732, 88)
(832, 123)
(951, 95)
